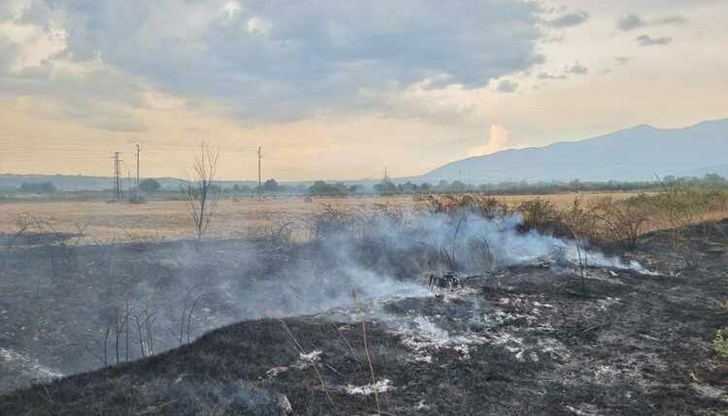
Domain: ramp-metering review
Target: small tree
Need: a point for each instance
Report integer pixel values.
(149, 186)
(270, 186)
(385, 187)
(323, 188)
(37, 187)
(201, 193)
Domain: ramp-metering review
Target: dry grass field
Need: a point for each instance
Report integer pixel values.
(170, 220)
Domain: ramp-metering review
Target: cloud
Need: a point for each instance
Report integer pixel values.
(287, 60)
(632, 21)
(647, 40)
(629, 22)
(506, 86)
(568, 19)
(577, 69)
(546, 75)
(671, 20)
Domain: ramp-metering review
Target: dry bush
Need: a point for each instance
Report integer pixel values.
(581, 225)
(332, 221)
(371, 222)
(541, 215)
(679, 208)
(362, 223)
(275, 235)
(487, 206)
(621, 220)
(579, 220)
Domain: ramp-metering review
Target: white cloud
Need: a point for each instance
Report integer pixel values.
(647, 40)
(231, 9)
(632, 21)
(258, 26)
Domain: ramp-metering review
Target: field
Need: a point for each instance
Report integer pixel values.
(170, 220)
(367, 305)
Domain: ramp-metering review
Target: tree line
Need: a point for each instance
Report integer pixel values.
(151, 186)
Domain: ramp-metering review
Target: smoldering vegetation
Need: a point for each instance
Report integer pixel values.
(68, 304)
(525, 339)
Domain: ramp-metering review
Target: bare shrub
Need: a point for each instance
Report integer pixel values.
(623, 220)
(201, 193)
(541, 215)
(332, 221)
(486, 206)
(145, 331)
(185, 322)
(679, 207)
(581, 226)
(368, 222)
(276, 235)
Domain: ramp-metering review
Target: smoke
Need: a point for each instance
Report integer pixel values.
(191, 288)
(380, 256)
(498, 139)
(471, 243)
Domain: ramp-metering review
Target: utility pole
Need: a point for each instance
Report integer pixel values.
(138, 150)
(117, 176)
(260, 184)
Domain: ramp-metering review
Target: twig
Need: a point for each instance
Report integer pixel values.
(315, 368)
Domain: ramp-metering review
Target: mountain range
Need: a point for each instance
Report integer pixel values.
(637, 153)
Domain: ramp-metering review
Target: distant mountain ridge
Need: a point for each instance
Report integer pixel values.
(636, 153)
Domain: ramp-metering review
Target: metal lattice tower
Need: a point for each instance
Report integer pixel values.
(117, 176)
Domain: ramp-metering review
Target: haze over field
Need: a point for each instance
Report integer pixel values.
(338, 90)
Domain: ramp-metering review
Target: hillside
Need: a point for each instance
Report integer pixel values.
(636, 153)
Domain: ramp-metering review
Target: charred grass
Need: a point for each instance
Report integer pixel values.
(631, 345)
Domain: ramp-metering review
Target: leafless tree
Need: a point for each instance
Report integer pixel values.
(201, 192)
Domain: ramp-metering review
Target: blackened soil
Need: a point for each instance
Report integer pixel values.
(525, 341)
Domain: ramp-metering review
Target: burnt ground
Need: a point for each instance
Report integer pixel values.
(525, 340)
(57, 301)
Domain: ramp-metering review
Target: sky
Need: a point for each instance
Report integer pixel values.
(341, 89)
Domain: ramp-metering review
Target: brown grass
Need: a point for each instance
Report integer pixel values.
(234, 218)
